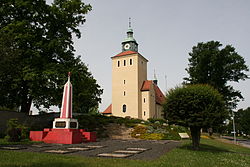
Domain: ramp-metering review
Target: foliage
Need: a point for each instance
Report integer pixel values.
(36, 53)
(196, 107)
(139, 131)
(242, 122)
(158, 132)
(212, 153)
(16, 131)
(153, 120)
(216, 66)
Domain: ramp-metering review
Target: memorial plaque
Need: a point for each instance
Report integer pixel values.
(114, 155)
(60, 124)
(73, 125)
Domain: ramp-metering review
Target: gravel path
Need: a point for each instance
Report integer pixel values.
(154, 149)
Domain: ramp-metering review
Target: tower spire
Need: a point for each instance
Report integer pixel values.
(155, 78)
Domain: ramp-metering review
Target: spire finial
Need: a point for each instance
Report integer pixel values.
(69, 74)
(155, 78)
(129, 22)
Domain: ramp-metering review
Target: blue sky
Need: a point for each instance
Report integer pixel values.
(166, 31)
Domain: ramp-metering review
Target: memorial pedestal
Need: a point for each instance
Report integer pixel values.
(63, 136)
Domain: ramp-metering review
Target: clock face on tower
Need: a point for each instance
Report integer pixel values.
(127, 46)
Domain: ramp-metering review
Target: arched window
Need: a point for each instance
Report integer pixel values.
(130, 61)
(124, 62)
(118, 63)
(124, 108)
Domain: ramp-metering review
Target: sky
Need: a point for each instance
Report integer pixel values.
(166, 31)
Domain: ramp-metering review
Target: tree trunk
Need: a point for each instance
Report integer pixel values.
(195, 133)
(26, 104)
(26, 99)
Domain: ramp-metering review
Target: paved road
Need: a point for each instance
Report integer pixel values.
(243, 142)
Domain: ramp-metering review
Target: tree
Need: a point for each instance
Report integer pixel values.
(242, 121)
(216, 66)
(196, 107)
(36, 53)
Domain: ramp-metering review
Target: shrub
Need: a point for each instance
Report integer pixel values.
(139, 131)
(16, 131)
(161, 121)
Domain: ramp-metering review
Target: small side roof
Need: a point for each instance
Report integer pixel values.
(108, 110)
(159, 96)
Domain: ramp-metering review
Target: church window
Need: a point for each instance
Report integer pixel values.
(144, 100)
(124, 62)
(124, 93)
(124, 108)
(130, 61)
(118, 63)
(144, 113)
(124, 82)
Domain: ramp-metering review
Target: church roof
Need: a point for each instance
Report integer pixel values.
(108, 110)
(129, 52)
(159, 96)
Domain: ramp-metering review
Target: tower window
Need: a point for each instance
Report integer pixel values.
(124, 93)
(130, 61)
(118, 63)
(144, 100)
(124, 82)
(124, 108)
(144, 113)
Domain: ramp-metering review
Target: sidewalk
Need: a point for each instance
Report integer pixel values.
(242, 142)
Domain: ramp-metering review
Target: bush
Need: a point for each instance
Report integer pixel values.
(158, 132)
(161, 121)
(139, 131)
(16, 131)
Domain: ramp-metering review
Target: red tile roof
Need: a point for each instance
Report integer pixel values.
(146, 85)
(108, 110)
(159, 96)
(129, 52)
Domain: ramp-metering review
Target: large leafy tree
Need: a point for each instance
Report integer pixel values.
(36, 53)
(211, 64)
(242, 122)
(196, 107)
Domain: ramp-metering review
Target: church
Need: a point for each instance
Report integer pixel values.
(133, 95)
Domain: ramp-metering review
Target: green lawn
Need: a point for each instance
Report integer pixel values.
(212, 154)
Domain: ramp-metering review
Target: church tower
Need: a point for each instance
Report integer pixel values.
(132, 94)
(129, 70)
